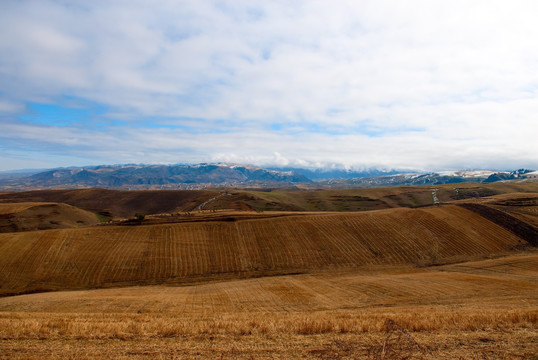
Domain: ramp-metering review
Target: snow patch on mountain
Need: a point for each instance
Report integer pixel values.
(468, 173)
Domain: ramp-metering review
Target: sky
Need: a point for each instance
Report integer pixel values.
(422, 85)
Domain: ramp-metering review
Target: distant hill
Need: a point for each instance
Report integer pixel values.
(200, 176)
(433, 178)
(152, 176)
(328, 174)
(122, 204)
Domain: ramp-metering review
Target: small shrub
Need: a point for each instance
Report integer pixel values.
(139, 216)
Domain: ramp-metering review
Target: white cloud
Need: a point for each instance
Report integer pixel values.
(10, 107)
(397, 84)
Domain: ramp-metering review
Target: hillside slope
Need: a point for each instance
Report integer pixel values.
(29, 216)
(119, 203)
(109, 256)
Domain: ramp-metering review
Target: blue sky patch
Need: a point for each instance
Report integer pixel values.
(54, 115)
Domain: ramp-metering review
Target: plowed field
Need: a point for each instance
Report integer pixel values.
(180, 253)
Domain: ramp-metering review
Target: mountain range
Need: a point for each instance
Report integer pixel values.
(234, 175)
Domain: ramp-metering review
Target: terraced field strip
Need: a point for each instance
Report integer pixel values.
(188, 252)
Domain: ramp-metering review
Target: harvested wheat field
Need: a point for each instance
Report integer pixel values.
(457, 281)
(111, 256)
(484, 308)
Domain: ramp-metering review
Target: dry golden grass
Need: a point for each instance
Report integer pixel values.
(475, 345)
(74, 326)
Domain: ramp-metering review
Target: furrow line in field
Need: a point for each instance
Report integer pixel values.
(304, 228)
(172, 233)
(224, 253)
(86, 249)
(283, 250)
(112, 261)
(170, 269)
(246, 255)
(196, 257)
(265, 246)
(361, 239)
(213, 250)
(57, 266)
(492, 237)
(184, 245)
(314, 244)
(334, 232)
(269, 297)
(339, 288)
(10, 274)
(235, 296)
(360, 254)
(453, 240)
(287, 234)
(377, 239)
(134, 262)
(161, 260)
(391, 227)
(231, 247)
(34, 257)
(268, 293)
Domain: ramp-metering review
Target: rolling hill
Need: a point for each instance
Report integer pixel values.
(29, 216)
(179, 253)
(118, 203)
